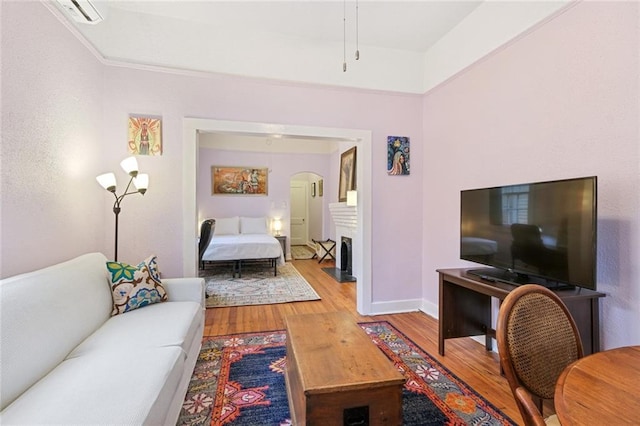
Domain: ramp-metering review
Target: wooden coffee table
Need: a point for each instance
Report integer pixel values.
(337, 376)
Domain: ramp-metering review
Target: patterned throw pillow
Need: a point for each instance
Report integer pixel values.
(133, 287)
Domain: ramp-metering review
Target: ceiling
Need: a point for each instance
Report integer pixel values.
(401, 25)
(306, 41)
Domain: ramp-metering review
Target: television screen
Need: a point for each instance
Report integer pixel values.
(542, 232)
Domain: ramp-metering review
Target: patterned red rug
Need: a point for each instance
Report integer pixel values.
(239, 380)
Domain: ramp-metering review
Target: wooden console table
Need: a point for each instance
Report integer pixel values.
(465, 308)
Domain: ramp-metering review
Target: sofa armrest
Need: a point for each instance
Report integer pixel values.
(185, 289)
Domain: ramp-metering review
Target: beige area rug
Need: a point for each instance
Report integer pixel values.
(257, 286)
(302, 252)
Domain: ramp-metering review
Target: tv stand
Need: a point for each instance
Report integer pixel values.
(465, 307)
(516, 278)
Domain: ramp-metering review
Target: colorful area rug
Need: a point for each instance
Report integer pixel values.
(257, 286)
(302, 252)
(239, 380)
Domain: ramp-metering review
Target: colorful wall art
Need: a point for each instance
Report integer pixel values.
(145, 135)
(232, 180)
(397, 155)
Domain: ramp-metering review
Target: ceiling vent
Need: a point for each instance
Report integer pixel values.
(82, 11)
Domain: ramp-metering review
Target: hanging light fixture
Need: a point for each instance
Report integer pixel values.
(344, 36)
(357, 32)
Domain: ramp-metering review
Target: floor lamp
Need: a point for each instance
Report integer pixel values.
(140, 183)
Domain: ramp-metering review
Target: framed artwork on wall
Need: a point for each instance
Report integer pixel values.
(313, 189)
(347, 173)
(145, 135)
(238, 180)
(320, 187)
(398, 155)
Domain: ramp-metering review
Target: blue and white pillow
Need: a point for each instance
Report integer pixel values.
(133, 287)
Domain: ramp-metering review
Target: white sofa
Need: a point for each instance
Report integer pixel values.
(65, 360)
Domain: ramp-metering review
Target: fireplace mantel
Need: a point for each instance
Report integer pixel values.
(344, 216)
(345, 219)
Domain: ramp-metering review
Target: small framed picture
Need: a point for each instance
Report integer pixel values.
(398, 155)
(347, 173)
(320, 187)
(313, 189)
(145, 135)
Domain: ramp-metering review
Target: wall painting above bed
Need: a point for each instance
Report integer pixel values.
(231, 180)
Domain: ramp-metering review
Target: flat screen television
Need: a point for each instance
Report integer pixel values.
(541, 232)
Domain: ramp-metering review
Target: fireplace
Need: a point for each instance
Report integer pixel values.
(343, 273)
(346, 222)
(346, 256)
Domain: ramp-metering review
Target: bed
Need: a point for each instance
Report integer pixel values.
(237, 241)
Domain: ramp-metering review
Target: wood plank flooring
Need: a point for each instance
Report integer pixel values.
(465, 357)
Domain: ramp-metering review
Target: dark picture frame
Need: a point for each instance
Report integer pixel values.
(347, 173)
(398, 155)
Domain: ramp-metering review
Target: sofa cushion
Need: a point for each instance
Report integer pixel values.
(133, 287)
(45, 314)
(125, 386)
(162, 324)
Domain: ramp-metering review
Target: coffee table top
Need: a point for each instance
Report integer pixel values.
(333, 353)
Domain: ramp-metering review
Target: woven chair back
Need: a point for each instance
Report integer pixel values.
(537, 339)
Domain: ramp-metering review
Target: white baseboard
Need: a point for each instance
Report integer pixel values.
(395, 307)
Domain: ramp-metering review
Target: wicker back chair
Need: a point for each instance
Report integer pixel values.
(537, 339)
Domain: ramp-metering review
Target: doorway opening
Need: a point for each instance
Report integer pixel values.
(306, 214)
(350, 137)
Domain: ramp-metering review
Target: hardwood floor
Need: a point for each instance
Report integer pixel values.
(465, 357)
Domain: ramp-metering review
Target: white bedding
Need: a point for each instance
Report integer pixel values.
(243, 246)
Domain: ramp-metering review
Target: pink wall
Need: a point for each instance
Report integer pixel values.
(237, 99)
(81, 109)
(560, 102)
(564, 96)
(282, 167)
(52, 144)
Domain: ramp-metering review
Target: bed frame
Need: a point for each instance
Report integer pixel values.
(206, 233)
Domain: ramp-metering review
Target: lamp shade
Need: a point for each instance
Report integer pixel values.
(352, 198)
(141, 182)
(108, 181)
(277, 226)
(130, 165)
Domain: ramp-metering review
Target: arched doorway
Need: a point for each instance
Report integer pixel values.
(306, 209)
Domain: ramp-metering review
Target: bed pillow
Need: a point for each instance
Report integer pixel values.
(253, 225)
(227, 226)
(133, 287)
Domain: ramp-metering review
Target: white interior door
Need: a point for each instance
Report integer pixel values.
(299, 212)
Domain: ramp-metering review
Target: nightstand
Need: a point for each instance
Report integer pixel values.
(283, 243)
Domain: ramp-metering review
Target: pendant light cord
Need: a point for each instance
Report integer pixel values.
(357, 33)
(344, 36)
